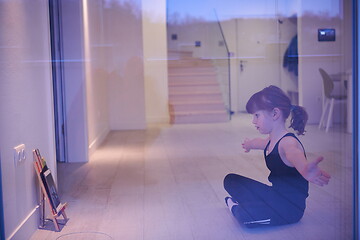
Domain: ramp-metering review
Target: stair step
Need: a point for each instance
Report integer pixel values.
(178, 53)
(193, 89)
(194, 97)
(197, 81)
(192, 81)
(209, 112)
(193, 78)
(177, 68)
(194, 92)
(196, 106)
(218, 101)
(199, 117)
(188, 63)
(192, 74)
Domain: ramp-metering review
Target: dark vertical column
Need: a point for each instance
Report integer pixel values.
(2, 227)
(356, 30)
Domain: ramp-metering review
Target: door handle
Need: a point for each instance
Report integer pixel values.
(242, 65)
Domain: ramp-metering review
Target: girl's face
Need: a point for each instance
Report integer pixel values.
(263, 121)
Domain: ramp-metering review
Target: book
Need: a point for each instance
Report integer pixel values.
(50, 188)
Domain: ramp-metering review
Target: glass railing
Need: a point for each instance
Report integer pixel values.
(221, 59)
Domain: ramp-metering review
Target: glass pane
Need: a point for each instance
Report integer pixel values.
(305, 48)
(125, 75)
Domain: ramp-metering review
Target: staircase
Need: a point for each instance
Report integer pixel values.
(194, 92)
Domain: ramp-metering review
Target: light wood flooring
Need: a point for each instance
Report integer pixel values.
(165, 183)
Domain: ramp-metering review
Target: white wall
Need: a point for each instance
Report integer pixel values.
(96, 73)
(104, 75)
(74, 81)
(314, 55)
(207, 32)
(155, 61)
(26, 106)
(124, 62)
(123, 35)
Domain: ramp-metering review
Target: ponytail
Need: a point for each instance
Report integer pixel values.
(298, 119)
(273, 97)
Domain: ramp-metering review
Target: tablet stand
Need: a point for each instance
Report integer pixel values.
(47, 192)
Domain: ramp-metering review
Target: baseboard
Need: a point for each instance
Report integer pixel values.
(97, 141)
(27, 227)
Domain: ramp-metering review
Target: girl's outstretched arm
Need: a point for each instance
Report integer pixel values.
(256, 143)
(293, 153)
(315, 174)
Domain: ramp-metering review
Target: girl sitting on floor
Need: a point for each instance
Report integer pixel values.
(256, 204)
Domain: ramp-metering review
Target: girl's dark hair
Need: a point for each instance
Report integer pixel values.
(273, 97)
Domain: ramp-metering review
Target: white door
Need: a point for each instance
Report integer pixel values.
(261, 42)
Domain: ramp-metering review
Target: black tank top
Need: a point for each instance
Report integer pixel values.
(285, 179)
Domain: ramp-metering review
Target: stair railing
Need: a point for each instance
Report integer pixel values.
(220, 55)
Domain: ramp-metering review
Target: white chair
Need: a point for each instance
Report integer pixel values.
(329, 99)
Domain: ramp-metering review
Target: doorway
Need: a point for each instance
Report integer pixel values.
(68, 80)
(58, 80)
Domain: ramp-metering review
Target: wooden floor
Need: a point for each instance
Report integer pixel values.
(165, 183)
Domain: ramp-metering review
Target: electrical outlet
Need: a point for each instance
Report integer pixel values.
(19, 154)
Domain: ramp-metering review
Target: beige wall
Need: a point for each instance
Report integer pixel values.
(114, 75)
(124, 53)
(96, 73)
(113, 68)
(26, 106)
(327, 55)
(207, 32)
(155, 61)
(131, 56)
(124, 62)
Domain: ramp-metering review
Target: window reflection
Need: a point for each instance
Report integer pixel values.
(288, 44)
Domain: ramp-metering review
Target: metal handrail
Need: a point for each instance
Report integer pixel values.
(228, 59)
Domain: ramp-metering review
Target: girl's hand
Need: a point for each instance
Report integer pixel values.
(247, 145)
(316, 175)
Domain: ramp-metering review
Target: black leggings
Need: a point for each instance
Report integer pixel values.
(262, 205)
